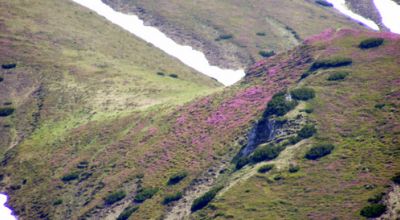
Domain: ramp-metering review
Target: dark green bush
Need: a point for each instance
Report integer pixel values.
(114, 197)
(57, 202)
(173, 75)
(267, 152)
(396, 179)
(307, 110)
(373, 210)
(160, 73)
(265, 168)
(172, 198)
(307, 131)
(266, 54)
(371, 43)
(70, 176)
(305, 75)
(206, 198)
(1, 79)
(224, 37)
(293, 168)
(303, 93)
(144, 194)
(127, 212)
(6, 111)
(261, 34)
(177, 177)
(331, 63)
(337, 76)
(319, 151)
(380, 105)
(324, 3)
(9, 66)
(241, 162)
(279, 105)
(294, 140)
(82, 165)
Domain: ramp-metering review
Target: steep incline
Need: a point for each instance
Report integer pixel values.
(144, 161)
(232, 32)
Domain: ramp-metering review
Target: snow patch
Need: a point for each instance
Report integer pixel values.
(341, 6)
(5, 212)
(186, 54)
(390, 13)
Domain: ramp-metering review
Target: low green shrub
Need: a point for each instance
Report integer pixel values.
(337, 76)
(279, 105)
(305, 75)
(114, 197)
(160, 73)
(144, 194)
(267, 152)
(261, 34)
(380, 105)
(319, 151)
(206, 198)
(307, 131)
(331, 63)
(293, 168)
(173, 75)
(9, 66)
(172, 198)
(177, 177)
(127, 212)
(57, 202)
(6, 111)
(266, 54)
(373, 210)
(70, 177)
(241, 162)
(303, 93)
(224, 37)
(294, 140)
(371, 43)
(265, 168)
(396, 179)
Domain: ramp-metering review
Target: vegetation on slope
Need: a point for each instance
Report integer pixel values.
(237, 30)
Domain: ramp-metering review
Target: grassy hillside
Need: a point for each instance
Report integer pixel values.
(233, 33)
(154, 163)
(73, 66)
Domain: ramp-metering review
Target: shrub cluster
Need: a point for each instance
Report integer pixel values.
(324, 3)
(279, 105)
(57, 202)
(261, 34)
(331, 63)
(6, 111)
(224, 37)
(177, 177)
(266, 152)
(319, 151)
(265, 168)
(161, 73)
(9, 66)
(70, 176)
(241, 162)
(114, 197)
(373, 210)
(144, 194)
(172, 198)
(337, 76)
(307, 131)
(206, 198)
(127, 212)
(371, 43)
(266, 54)
(172, 75)
(303, 94)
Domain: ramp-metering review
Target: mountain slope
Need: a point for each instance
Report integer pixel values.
(232, 33)
(99, 169)
(73, 66)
